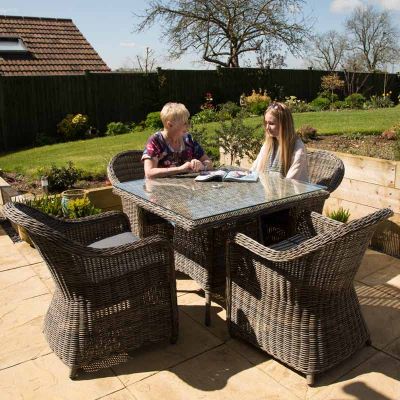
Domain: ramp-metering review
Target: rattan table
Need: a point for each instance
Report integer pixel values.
(206, 214)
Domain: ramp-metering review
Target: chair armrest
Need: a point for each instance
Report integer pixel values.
(113, 263)
(323, 224)
(96, 227)
(277, 256)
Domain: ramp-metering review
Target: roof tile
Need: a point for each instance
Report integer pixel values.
(56, 46)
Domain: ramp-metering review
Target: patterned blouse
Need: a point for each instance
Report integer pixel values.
(158, 149)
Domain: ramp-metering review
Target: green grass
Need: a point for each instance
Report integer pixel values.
(90, 155)
(93, 155)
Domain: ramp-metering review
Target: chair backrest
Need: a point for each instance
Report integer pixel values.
(325, 169)
(125, 166)
(47, 233)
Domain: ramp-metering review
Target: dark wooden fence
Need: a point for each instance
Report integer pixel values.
(33, 105)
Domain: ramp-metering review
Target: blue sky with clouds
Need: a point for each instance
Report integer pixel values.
(109, 26)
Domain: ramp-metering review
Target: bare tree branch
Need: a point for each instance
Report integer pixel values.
(224, 30)
(373, 37)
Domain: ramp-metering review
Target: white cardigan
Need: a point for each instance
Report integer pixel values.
(299, 167)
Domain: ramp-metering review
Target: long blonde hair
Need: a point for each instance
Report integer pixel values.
(287, 137)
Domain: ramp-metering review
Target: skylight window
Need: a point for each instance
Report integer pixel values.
(12, 45)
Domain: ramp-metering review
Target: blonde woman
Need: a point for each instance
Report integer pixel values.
(172, 150)
(283, 151)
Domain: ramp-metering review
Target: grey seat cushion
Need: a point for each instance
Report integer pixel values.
(116, 240)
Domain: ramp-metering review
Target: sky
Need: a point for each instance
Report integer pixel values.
(110, 26)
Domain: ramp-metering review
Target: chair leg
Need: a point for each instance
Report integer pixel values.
(310, 379)
(72, 373)
(208, 309)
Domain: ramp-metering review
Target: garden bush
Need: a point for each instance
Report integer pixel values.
(117, 128)
(207, 142)
(228, 110)
(383, 101)
(52, 205)
(239, 140)
(307, 133)
(355, 100)
(73, 127)
(205, 116)
(338, 105)
(296, 105)
(320, 104)
(153, 120)
(61, 178)
(326, 94)
(257, 102)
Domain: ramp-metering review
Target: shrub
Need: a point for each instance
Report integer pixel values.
(117, 128)
(307, 133)
(228, 110)
(205, 116)
(340, 215)
(332, 97)
(389, 134)
(296, 105)
(153, 120)
(383, 101)
(257, 102)
(52, 205)
(79, 208)
(238, 140)
(48, 204)
(320, 103)
(355, 100)
(73, 127)
(338, 105)
(61, 178)
(207, 142)
(257, 108)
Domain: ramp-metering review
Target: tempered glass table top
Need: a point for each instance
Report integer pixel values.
(198, 200)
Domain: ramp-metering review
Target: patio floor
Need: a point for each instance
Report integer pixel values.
(205, 363)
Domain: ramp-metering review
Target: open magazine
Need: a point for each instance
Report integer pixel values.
(228, 176)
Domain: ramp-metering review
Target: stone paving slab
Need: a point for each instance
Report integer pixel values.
(193, 339)
(20, 284)
(46, 378)
(217, 374)
(21, 335)
(205, 363)
(376, 379)
(381, 313)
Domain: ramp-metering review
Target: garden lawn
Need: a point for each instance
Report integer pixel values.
(93, 155)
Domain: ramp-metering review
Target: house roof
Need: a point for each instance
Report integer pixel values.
(55, 46)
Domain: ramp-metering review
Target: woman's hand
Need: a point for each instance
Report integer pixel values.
(186, 167)
(196, 165)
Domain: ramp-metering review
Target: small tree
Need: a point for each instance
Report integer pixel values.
(237, 139)
(331, 82)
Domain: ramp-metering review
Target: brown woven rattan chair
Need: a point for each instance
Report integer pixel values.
(324, 169)
(108, 301)
(296, 299)
(127, 166)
